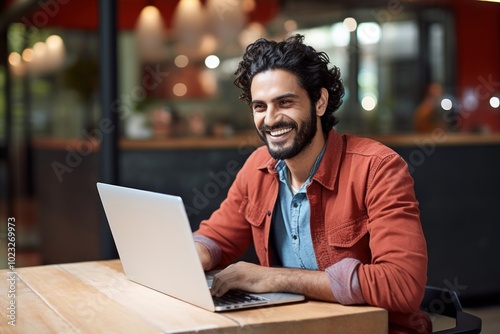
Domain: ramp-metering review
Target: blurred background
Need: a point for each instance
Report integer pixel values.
(140, 93)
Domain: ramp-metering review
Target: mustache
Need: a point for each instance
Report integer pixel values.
(280, 125)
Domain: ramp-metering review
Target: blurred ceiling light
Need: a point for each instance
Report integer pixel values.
(318, 37)
(39, 49)
(350, 23)
(212, 61)
(495, 102)
(369, 103)
(55, 51)
(181, 61)
(340, 35)
(497, 1)
(189, 24)
(28, 55)
(368, 33)
(150, 34)
(446, 104)
(179, 89)
(54, 42)
(14, 59)
(16, 64)
(39, 63)
(290, 25)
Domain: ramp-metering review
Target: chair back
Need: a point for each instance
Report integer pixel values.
(445, 302)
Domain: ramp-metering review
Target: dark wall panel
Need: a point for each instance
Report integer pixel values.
(458, 188)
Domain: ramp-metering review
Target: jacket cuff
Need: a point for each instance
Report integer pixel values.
(344, 282)
(213, 249)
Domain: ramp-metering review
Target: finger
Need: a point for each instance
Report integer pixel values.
(223, 281)
(216, 283)
(219, 287)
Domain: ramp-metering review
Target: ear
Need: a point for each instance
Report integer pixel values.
(322, 102)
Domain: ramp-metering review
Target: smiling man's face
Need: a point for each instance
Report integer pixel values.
(284, 116)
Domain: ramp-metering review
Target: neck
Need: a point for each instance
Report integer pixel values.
(300, 166)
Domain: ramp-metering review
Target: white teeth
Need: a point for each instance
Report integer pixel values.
(280, 132)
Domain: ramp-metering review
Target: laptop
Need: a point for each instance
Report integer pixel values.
(156, 248)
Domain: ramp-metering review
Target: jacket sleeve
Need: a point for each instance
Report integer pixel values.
(227, 226)
(396, 277)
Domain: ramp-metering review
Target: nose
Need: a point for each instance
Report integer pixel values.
(272, 116)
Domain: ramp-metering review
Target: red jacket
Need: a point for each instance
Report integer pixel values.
(363, 206)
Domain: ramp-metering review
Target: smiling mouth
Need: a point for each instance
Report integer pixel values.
(277, 133)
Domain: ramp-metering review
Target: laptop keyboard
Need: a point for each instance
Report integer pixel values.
(237, 297)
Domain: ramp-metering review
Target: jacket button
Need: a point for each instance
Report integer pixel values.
(268, 213)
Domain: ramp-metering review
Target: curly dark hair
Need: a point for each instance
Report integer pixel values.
(292, 55)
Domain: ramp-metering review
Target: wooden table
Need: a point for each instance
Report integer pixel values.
(96, 297)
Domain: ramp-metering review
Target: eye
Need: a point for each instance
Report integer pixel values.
(259, 107)
(285, 103)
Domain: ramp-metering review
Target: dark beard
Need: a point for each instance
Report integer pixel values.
(303, 138)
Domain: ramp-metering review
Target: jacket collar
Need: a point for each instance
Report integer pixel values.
(329, 168)
(268, 164)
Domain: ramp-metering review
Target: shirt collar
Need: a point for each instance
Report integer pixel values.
(282, 170)
(328, 168)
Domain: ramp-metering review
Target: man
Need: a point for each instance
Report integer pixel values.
(333, 217)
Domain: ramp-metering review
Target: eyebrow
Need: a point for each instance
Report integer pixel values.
(277, 98)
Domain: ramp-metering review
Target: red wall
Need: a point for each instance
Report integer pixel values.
(478, 62)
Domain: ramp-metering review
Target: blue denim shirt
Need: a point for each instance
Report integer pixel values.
(291, 229)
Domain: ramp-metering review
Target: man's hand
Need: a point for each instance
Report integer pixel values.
(243, 276)
(254, 278)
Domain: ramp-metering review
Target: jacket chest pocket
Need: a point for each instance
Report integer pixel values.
(256, 218)
(350, 239)
(253, 214)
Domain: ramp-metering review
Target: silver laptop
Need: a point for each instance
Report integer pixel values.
(156, 248)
